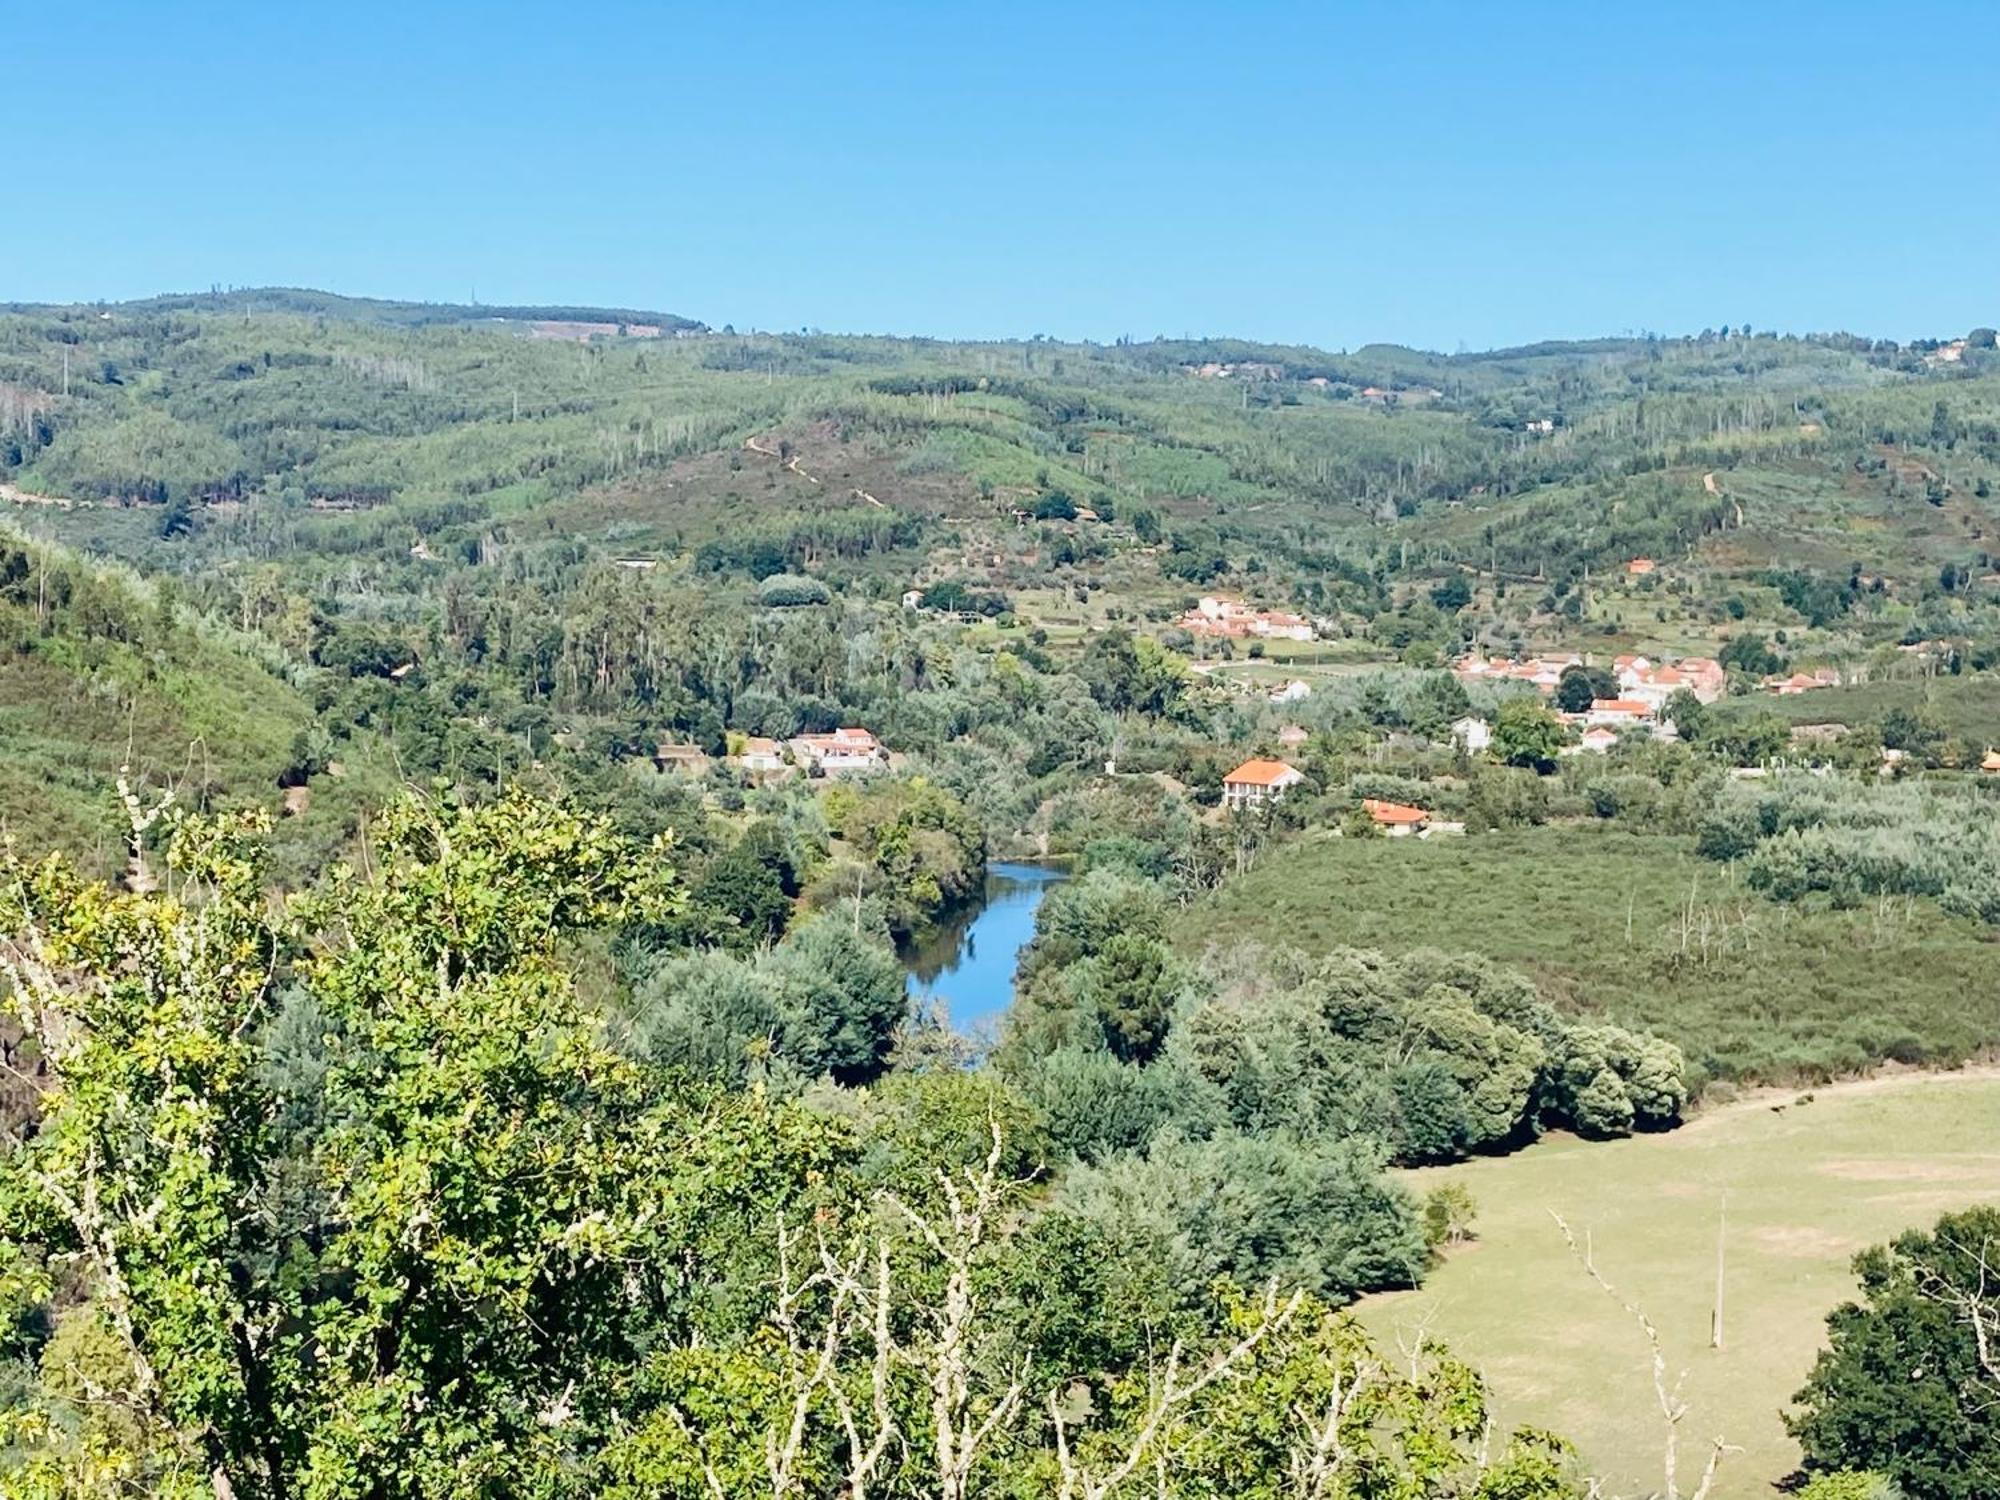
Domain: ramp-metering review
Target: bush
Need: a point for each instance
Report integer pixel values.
(791, 590)
(1322, 1216)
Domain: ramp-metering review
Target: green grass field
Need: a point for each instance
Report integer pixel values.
(1641, 929)
(1806, 1188)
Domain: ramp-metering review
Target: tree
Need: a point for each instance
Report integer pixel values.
(1909, 1385)
(744, 899)
(1131, 984)
(485, 1190)
(1580, 686)
(1453, 594)
(1749, 654)
(1527, 733)
(1449, 1214)
(1686, 713)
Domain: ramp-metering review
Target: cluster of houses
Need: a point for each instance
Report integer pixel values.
(1245, 370)
(1231, 619)
(847, 751)
(1260, 781)
(1640, 679)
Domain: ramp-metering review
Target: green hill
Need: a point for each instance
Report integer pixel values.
(103, 673)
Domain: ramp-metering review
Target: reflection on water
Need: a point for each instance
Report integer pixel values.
(969, 962)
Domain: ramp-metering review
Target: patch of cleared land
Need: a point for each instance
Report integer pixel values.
(1807, 1186)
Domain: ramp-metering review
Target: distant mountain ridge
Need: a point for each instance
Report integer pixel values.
(310, 302)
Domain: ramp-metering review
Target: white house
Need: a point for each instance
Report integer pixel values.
(760, 754)
(846, 750)
(1259, 781)
(1472, 733)
(1617, 712)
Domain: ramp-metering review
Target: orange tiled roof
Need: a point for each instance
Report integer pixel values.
(1394, 812)
(1259, 773)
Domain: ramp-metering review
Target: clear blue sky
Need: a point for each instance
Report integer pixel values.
(1335, 174)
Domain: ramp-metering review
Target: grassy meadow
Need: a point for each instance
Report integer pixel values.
(1641, 929)
(1807, 1186)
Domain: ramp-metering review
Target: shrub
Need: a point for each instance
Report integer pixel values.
(791, 590)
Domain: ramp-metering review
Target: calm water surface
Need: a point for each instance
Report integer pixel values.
(969, 963)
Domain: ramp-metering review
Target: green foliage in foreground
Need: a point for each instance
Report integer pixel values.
(351, 1198)
(1910, 1385)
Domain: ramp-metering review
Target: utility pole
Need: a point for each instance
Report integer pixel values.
(65, 369)
(1721, 1229)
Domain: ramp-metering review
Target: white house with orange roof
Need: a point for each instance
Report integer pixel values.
(1802, 682)
(1258, 781)
(846, 750)
(1397, 819)
(1617, 712)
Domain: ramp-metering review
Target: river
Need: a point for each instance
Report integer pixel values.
(969, 962)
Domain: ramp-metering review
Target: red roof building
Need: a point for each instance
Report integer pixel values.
(1257, 781)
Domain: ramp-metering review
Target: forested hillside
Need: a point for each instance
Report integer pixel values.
(1440, 750)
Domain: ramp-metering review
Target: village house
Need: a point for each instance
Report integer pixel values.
(1597, 741)
(1291, 736)
(1989, 764)
(841, 753)
(1543, 672)
(1655, 682)
(685, 760)
(760, 755)
(1639, 567)
(1801, 682)
(1616, 712)
(1396, 819)
(1291, 692)
(1471, 734)
(1256, 782)
(1231, 619)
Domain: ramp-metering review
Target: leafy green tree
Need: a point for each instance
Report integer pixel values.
(1527, 733)
(1430, 1112)
(1907, 1386)
(1320, 1215)
(1132, 985)
(1453, 594)
(743, 900)
(1580, 686)
(1751, 655)
(489, 1248)
(1686, 713)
